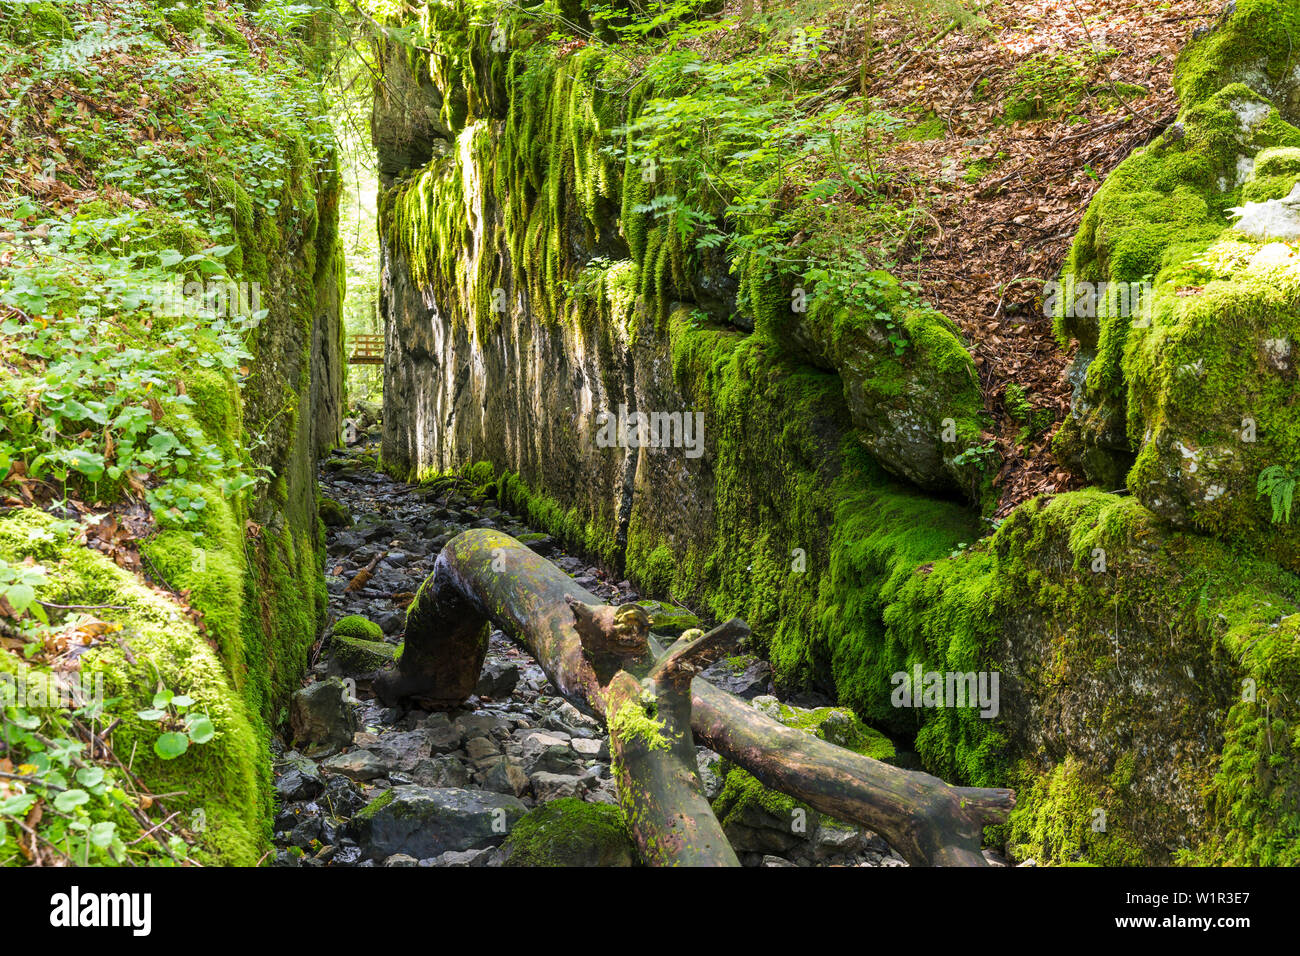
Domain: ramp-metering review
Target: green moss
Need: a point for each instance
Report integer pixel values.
(742, 795)
(225, 778)
(358, 656)
(568, 832)
(354, 625)
(34, 23)
(334, 514)
(635, 724)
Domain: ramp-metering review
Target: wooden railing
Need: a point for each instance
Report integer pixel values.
(366, 350)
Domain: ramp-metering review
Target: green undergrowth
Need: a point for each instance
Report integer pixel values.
(175, 267)
(1109, 590)
(221, 787)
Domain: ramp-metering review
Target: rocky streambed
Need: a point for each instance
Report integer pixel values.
(517, 775)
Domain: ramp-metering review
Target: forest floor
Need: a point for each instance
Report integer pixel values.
(1021, 121)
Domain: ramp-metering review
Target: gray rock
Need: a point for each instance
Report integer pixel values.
(424, 822)
(553, 786)
(444, 736)
(768, 860)
(443, 770)
(401, 859)
(747, 676)
(502, 775)
(481, 724)
(402, 751)
(299, 780)
(497, 680)
(462, 858)
(480, 748)
(557, 758)
(321, 719)
(710, 766)
(591, 748)
(356, 765)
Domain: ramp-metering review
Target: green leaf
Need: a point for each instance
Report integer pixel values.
(151, 714)
(20, 597)
(17, 806)
(70, 799)
(90, 776)
(171, 745)
(101, 834)
(202, 730)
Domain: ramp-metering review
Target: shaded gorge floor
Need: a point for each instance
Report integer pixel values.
(515, 776)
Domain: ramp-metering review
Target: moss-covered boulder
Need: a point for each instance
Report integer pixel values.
(1142, 672)
(1185, 378)
(569, 832)
(150, 645)
(909, 381)
(359, 656)
(836, 725)
(356, 626)
(334, 514)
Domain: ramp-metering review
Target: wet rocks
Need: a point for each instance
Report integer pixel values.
(424, 822)
(321, 718)
(405, 788)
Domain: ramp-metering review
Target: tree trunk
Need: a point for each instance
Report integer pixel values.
(602, 656)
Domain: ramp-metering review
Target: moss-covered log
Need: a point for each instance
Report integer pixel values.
(603, 656)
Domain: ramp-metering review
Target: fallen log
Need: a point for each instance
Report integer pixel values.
(602, 656)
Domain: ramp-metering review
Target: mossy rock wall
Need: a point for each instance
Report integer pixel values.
(251, 563)
(525, 291)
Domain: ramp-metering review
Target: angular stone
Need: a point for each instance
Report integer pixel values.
(403, 750)
(553, 786)
(480, 748)
(444, 736)
(299, 780)
(497, 680)
(592, 748)
(502, 775)
(357, 765)
(321, 719)
(424, 822)
(443, 770)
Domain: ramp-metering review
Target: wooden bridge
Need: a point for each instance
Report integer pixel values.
(366, 350)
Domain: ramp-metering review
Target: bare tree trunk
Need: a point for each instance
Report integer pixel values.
(602, 656)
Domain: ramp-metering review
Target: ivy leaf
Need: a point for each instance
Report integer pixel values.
(171, 745)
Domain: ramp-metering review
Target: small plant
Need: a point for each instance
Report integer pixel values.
(976, 455)
(180, 729)
(1278, 483)
(18, 585)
